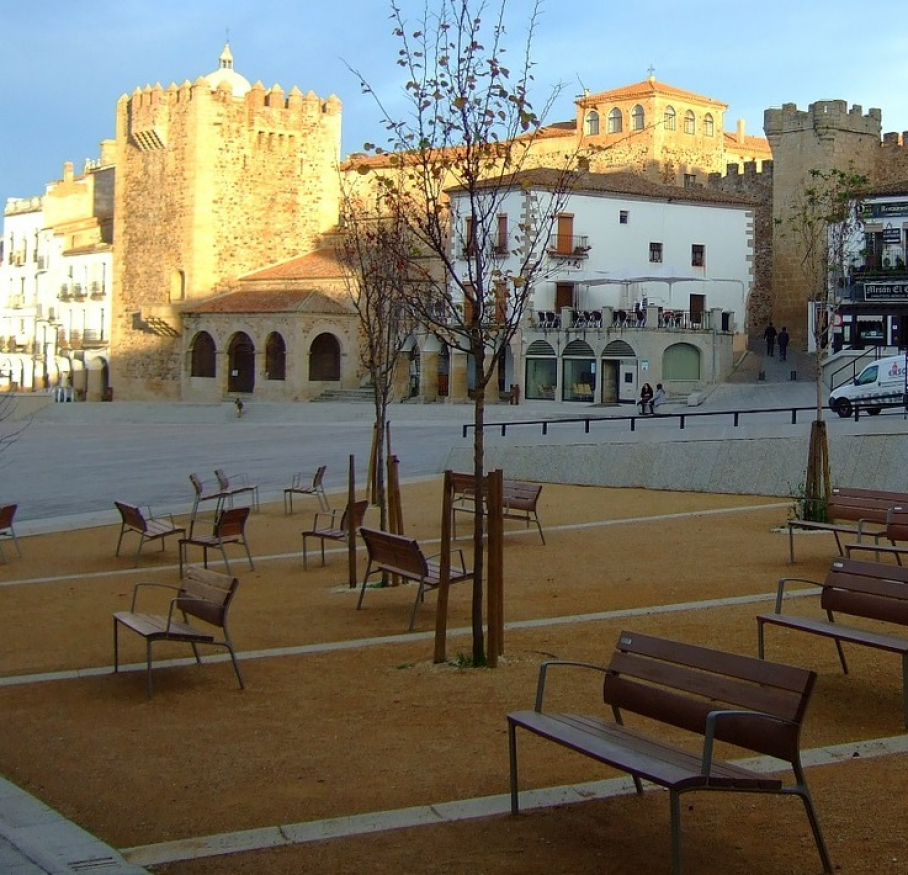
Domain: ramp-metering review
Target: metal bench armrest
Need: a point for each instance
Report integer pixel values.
(135, 590)
(712, 720)
(781, 590)
(544, 670)
(454, 553)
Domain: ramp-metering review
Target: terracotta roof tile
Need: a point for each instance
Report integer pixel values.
(320, 264)
(273, 301)
(648, 88)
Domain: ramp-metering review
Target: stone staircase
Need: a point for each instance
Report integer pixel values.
(362, 395)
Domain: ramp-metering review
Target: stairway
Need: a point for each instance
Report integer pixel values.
(362, 395)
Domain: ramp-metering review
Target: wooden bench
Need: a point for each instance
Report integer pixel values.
(203, 595)
(896, 530)
(724, 697)
(402, 556)
(519, 500)
(237, 484)
(868, 590)
(7, 530)
(148, 527)
(859, 507)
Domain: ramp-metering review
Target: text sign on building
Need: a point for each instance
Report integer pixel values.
(886, 291)
(879, 211)
(892, 235)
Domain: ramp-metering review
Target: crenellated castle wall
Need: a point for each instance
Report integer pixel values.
(827, 135)
(209, 186)
(756, 185)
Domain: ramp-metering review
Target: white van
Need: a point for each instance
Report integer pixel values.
(881, 384)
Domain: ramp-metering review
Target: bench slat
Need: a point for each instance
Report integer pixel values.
(635, 753)
(852, 634)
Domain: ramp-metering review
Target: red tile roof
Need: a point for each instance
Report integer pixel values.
(273, 301)
(320, 264)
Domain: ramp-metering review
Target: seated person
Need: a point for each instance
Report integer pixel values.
(646, 399)
(658, 398)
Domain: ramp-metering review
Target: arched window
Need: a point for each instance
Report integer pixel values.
(615, 125)
(669, 118)
(637, 118)
(324, 358)
(592, 123)
(177, 286)
(241, 362)
(709, 125)
(275, 357)
(690, 122)
(203, 356)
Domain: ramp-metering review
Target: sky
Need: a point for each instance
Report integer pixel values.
(63, 65)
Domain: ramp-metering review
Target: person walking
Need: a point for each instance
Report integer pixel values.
(783, 339)
(769, 335)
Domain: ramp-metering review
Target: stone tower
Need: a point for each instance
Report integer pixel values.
(214, 178)
(827, 136)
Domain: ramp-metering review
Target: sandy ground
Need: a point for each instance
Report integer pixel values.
(377, 727)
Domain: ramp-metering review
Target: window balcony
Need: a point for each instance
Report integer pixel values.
(568, 246)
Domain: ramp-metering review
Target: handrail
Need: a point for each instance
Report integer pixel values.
(873, 353)
(681, 418)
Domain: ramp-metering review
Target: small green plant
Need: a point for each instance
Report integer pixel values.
(806, 508)
(463, 660)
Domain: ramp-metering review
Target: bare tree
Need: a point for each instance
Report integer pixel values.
(464, 146)
(373, 247)
(823, 220)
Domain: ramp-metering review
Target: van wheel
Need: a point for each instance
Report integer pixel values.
(843, 408)
(873, 411)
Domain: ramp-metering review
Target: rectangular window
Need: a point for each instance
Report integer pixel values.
(655, 253)
(623, 217)
(690, 180)
(502, 247)
(469, 238)
(698, 255)
(501, 302)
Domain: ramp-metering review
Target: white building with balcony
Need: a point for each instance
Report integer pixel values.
(640, 282)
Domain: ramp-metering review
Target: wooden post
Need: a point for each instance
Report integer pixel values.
(395, 509)
(351, 527)
(444, 577)
(373, 467)
(494, 582)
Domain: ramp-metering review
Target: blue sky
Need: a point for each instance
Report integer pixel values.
(64, 65)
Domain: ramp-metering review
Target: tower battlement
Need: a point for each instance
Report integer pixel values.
(822, 117)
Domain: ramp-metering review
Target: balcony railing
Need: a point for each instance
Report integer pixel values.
(568, 246)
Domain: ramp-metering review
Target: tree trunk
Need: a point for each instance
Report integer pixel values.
(817, 486)
(479, 651)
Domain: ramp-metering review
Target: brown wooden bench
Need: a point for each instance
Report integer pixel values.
(856, 506)
(148, 527)
(868, 590)
(396, 554)
(237, 484)
(7, 530)
(724, 697)
(519, 500)
(896, 530)
(203, 595)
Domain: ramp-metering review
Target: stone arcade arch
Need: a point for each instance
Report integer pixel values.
(241, 364)
(275, 357)
(578, 369)
(681, 363)
(541, 371)
(203, 359)
(324, 359)
(618, 379)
